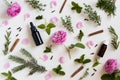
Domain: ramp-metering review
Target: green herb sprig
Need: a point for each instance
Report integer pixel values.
(79, 45)
(31, 63)
(93, 16)
(8, 76)
(67, 23)
(47, 27)
(82, 60)
(85, 74)
(115, 43)
(36, 4)
(7, 43)
(96, 63)
(75, 6)
(81, 34)
(57, 70)
(48, 49)
(108, 6)
(39, 17)
(114, 76)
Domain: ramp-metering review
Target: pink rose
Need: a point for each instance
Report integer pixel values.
(14, 9)
(111, 65)
(59, 37)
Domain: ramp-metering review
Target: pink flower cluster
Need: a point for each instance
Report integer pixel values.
(111, 65)
(14, 9)
(59, 37)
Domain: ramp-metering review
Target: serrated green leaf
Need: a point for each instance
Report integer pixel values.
(80, 45)
(42, 26)
(50, 25)
(86, 61)
(81, 34)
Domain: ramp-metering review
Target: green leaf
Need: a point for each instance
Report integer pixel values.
(42, 26)
(96, 64)
(71, 46)
(39, 17)
(82, 57)
(47, 50)
(81, 34)
(78, 60)
(5, 74)
(48, 31)
(50, 25)
(86, 61)
(107, 77)
(61, 73)
(76, 7)
(80, 45)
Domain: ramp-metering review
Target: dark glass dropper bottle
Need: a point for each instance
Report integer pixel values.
(36, 35)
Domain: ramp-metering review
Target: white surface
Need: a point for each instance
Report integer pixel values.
(58, 50)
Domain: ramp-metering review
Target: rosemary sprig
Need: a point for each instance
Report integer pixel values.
(115, 43)
(67, 23)
(31, 63)
(8, 76)
(6, 45)
(85, 74)
(107, 5)
(36, 4)
(93, 16)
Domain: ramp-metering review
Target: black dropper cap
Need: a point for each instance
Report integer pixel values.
(36, 35)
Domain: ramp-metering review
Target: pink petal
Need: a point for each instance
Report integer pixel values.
(79, 25)
(5, 22)
(90, 44)
(25, 41)
(54, 19)
(44, 57)
(62, 59)
(48, 76)
(53, 3)
(6, 65)
(27, 15)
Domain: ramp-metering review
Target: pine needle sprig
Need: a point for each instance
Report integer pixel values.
(67, 23)
(36, 4)
(93, 16)
(108, 6)
(115, 43)
(31, 63)
(6, 45)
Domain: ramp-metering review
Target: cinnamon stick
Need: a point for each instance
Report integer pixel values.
(14, 45)
(78, 70)
(94, 33)
(62, 6)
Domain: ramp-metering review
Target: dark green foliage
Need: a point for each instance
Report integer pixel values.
(57, 70)
(79, 45)
(76, 7)
(81, 34)
(107, 5)
(31, 63)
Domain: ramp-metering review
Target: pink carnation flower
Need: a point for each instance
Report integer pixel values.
(59, 37)
(111, 65)
(14, 9)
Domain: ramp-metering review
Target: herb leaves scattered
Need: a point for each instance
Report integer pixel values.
(31, 63)
(79, 45)
(76, 7)
(57, 70)
(107, 5)
(6, 45)
(115, 43)
(93, 16)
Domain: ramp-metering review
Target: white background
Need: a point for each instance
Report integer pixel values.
(58, 50)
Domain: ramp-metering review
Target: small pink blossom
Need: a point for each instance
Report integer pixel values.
(59, 37)
(54, 19)
(62, 59)
(111, 65)
(79, 25)
(14, 9)
(53, 3)
(48, 76)
(6, 65)
(90, 44)
(25, 41)
(27, 15)
(44, 57)
(5, 22)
